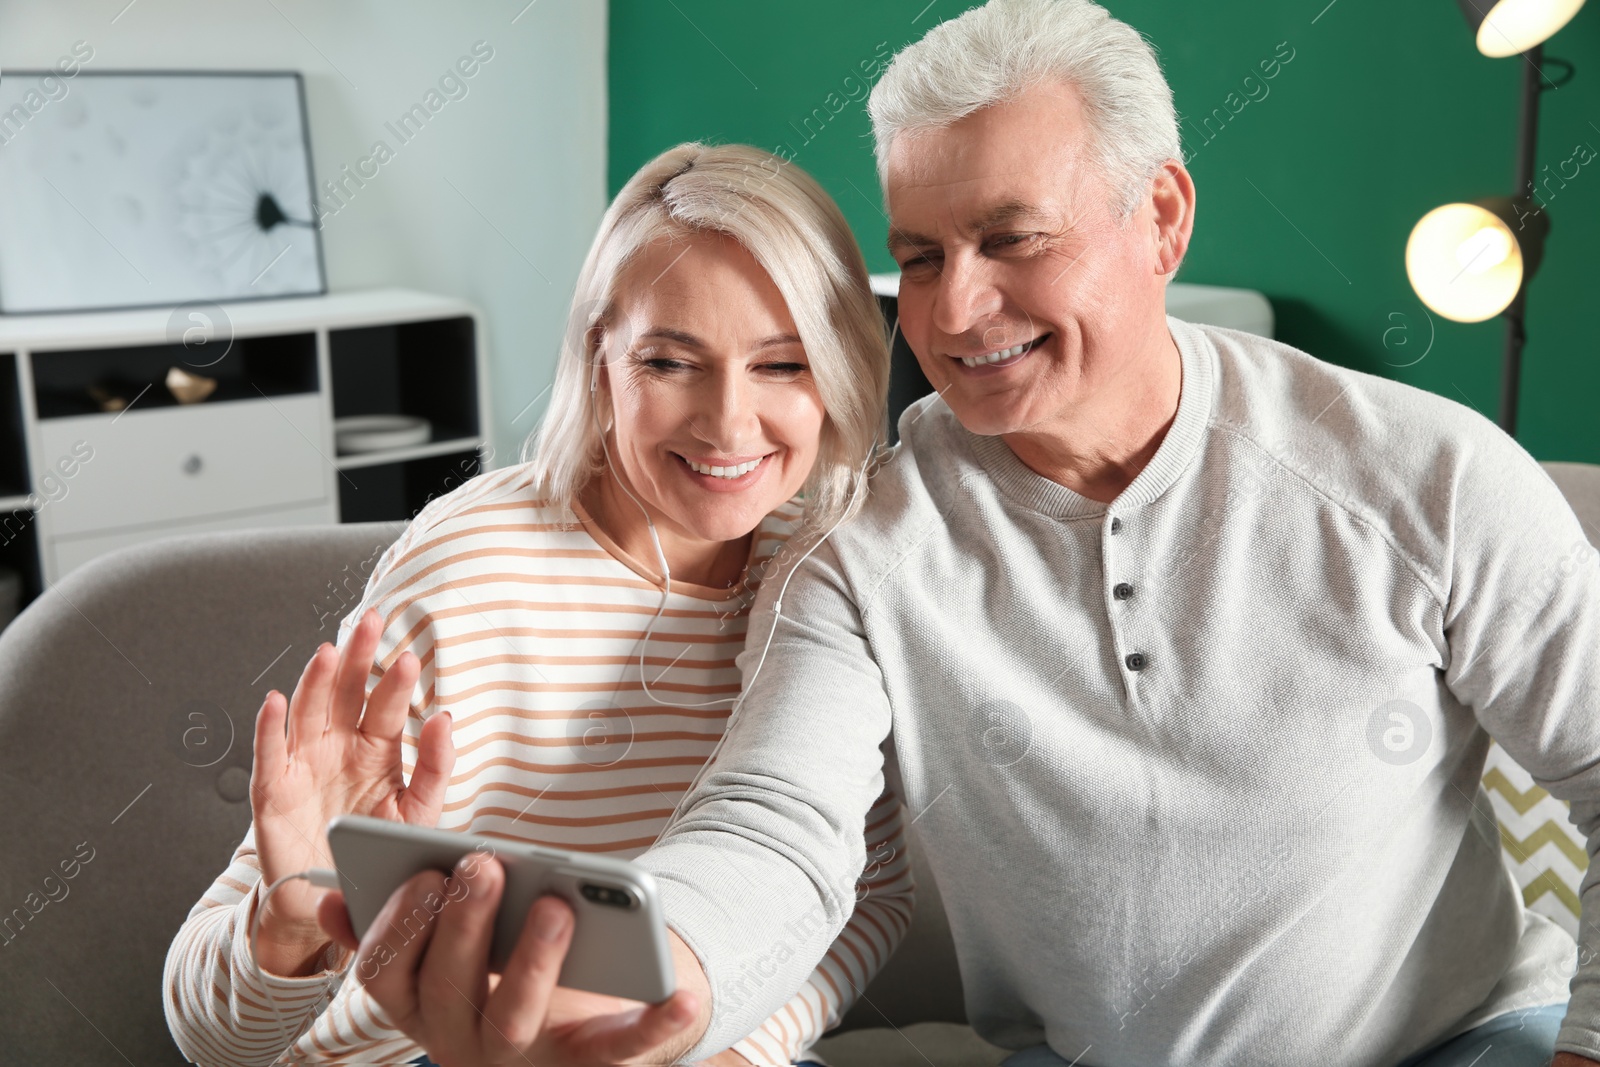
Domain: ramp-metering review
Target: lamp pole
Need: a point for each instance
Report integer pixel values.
(1527, 143)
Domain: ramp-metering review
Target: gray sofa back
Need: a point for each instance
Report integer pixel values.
(126, 721)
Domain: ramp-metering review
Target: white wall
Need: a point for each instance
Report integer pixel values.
(525, 146)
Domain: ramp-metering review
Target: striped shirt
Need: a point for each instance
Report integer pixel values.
(529, 623)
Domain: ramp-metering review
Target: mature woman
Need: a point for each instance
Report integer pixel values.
(547, 653)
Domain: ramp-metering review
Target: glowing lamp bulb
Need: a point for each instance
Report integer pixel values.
(1484, 250)
(1464, 262)
(1513, 26)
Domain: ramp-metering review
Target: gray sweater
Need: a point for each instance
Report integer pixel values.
(1197, 772)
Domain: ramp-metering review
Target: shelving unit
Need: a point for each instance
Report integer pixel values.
(77, 480)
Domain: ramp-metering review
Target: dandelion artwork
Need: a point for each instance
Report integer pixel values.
(151, 189)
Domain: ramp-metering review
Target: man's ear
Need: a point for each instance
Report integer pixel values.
(1172, 196)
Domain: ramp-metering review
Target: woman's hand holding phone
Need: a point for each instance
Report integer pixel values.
(435, 986)
(332, 750)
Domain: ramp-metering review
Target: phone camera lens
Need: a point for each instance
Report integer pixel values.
(608, 896)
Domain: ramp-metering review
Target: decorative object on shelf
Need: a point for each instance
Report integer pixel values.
(1471, 262)
(147, 188)
(113, 394)
(376, 433)
(189, 388)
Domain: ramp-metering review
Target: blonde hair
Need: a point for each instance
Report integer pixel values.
(795, 231)
(991, 53)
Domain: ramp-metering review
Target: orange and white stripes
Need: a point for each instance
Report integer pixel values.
(529, 624)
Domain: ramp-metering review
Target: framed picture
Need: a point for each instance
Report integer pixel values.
(152, 188)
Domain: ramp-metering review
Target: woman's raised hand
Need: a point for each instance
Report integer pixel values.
(333, 750)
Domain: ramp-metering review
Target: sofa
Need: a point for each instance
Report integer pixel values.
(125, 746)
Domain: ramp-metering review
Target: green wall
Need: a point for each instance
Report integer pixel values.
(1308, 193)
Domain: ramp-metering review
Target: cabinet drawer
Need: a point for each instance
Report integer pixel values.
(171, 464)
(68, 553)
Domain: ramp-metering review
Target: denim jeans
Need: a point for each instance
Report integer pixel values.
(1524, 1038)
(1517, 1039)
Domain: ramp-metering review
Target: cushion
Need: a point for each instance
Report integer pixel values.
(1545, 852)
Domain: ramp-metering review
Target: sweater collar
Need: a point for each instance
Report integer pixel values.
(1023, 485)
(715, 594)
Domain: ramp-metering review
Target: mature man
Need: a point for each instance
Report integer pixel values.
(1189, 645)
(1184, 647)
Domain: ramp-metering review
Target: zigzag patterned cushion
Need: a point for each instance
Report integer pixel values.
(1544, 850)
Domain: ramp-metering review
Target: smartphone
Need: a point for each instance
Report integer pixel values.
(619, 944)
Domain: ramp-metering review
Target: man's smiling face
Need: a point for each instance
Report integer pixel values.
(1021, 292)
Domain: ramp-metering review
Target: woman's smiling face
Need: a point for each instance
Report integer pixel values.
(717, 417)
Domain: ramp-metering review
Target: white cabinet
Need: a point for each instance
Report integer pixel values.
(173, 464)
(78, 480)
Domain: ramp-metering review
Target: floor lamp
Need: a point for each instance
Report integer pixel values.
(1470, 262)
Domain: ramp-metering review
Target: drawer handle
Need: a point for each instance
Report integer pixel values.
(193, 464)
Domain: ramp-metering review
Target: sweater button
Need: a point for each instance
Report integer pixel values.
(1116, 525)
(1122, 590)
(1136, 661)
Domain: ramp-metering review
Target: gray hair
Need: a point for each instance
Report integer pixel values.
(996, 51)
(795, 231)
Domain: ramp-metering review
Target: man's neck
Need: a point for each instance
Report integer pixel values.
(1100, 446)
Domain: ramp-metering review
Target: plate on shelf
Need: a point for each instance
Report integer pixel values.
(379, 433)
